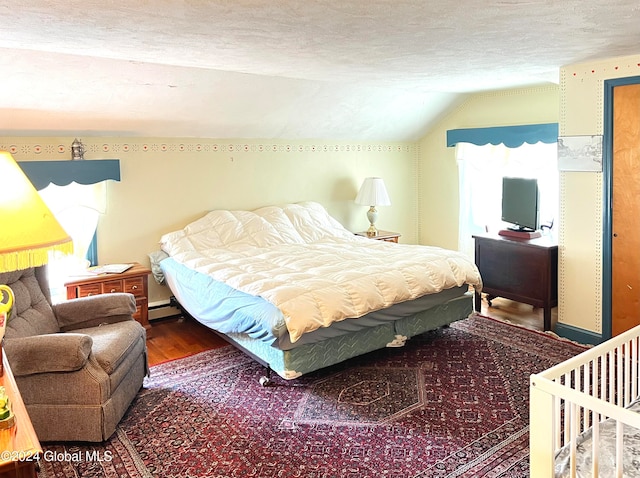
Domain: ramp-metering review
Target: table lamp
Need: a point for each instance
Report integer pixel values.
(372, 193)
(28, 229)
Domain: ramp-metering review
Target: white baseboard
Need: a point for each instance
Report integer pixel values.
(161, 309)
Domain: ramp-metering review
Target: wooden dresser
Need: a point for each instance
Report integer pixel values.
(19, 445)
(524, 270)
(134, 281)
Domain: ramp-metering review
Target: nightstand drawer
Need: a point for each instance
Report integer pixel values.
(135, 286)
(88, 289)
(111, 286)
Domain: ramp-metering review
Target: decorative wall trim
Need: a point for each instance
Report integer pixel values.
(614, 68)
(63, 151)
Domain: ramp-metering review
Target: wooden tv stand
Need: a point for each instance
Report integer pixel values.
(524, 270)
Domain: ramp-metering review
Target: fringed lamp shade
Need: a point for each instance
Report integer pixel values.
(28, 229)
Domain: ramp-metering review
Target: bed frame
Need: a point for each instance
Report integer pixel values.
(569, 398)
(291, 364)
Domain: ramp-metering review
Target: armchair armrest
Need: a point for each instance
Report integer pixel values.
(94, 310)
(48, 353)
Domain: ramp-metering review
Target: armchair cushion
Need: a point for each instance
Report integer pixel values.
(32, 313)
(48, 353)
(112, 343)
(94, 310)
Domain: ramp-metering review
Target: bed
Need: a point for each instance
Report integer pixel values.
(584, 413)
(290, 286)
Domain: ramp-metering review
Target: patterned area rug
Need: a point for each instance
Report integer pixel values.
(451, 403)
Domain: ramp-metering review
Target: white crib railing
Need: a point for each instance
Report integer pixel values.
(569, 398)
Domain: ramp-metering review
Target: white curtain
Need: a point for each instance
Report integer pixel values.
(77, 208)
(481, 169)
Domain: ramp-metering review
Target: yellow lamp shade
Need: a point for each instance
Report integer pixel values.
(28, 229)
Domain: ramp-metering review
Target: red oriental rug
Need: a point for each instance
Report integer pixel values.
(450, 403)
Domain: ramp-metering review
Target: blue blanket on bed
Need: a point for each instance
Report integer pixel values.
(224, 308)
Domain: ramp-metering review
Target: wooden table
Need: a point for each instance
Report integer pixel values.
(386, 236)
(19, 445)
(134, 281)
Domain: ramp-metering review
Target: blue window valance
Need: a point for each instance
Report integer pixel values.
(61, 173)
(510, 136)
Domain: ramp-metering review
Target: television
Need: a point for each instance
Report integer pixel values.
(520, 204)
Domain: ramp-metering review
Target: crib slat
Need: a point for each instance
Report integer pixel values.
(604, 387)
(595, 440)
(612, 373)
(588, 382)
(572, 437)
(557, 423)
(634, 368)
(619, 370)
(578, 415)
(627, 374)
(568, 417)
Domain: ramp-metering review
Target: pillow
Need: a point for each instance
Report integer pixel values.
(313, 223)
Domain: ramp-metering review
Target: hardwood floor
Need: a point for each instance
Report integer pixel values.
(517, 313)
(174, 338)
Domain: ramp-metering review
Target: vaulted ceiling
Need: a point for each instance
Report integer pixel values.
(321, 69)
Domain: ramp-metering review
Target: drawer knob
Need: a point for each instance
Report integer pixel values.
(134, 287)
(113, 290)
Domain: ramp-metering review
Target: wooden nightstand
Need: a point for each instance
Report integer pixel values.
(134, 280)
(20, 443)
(386, 236)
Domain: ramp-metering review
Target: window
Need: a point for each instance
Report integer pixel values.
(76, 192)
(481, 169)
(77, 207)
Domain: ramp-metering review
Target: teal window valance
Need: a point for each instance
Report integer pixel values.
(510, 136)
(61, 173)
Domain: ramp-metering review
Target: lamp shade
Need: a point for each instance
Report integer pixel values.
(28, 229)
(373, 193)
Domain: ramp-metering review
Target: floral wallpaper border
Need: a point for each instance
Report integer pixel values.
(44, 149)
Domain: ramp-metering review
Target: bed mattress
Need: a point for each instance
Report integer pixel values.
(312, 271)
(245, 316)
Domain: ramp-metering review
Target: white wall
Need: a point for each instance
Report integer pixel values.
(438, 171)
(580, 270)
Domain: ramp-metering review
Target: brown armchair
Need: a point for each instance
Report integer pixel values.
(78, 364)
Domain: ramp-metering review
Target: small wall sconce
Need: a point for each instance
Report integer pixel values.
(77, 149)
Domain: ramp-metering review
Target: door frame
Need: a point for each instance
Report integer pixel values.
(607, 179)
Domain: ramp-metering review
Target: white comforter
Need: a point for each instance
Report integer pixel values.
(315, 271)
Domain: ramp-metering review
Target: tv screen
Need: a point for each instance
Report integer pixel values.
(520, 199)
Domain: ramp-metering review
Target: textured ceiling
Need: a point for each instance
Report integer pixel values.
(322, 69)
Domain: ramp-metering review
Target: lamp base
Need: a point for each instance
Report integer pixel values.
(372, 216)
